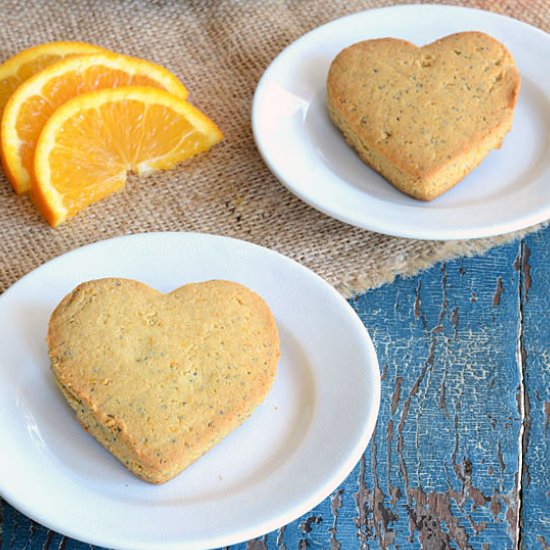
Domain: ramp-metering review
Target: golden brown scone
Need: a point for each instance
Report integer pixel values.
(424, 117)
(159, 379)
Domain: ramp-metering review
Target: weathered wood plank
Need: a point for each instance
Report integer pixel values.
(443, 467)
(535, 347)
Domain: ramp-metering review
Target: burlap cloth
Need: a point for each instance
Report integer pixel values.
(220, 50)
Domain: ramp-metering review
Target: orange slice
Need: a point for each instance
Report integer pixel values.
(90, 143)
(25, 64)
(35, 100)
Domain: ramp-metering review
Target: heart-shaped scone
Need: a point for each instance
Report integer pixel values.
(424, 117)
(159, 379)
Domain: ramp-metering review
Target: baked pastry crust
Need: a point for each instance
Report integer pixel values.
(159, 379)
(424, 117)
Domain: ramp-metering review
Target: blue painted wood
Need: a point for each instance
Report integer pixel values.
(447, 437)
(535, 479)
(463, 420)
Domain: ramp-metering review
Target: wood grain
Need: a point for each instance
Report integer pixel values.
(460, 455)
(535, 358)
(444, 459)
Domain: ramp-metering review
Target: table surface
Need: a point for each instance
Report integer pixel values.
(460, 456)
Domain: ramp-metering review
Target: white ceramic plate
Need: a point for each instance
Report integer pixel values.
(297, 447)
(508, 191)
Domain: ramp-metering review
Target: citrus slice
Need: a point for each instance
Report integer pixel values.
(90, 143)
(26, 63)
(35, 100)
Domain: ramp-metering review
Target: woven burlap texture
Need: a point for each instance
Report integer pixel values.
(219, 49)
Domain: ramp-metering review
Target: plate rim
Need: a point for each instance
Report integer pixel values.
(372, 373)
(412, 231)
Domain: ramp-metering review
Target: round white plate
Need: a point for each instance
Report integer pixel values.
(300, 145)
(295, 449)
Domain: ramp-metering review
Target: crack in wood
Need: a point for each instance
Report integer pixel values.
(394, 492)
(377, 503)
(374, 517)
(417, 299)
(429, 362)
(498, 292)
(501, 464)
(454, 321)
(280, 535)
(522, 478)
(48, 540)
(396, 394)
(32, 529)
(362, 497)
(335, 505)
(442, 403)
(389, 442)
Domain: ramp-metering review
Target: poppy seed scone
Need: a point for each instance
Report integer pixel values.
(159, 379)
(424, 117)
